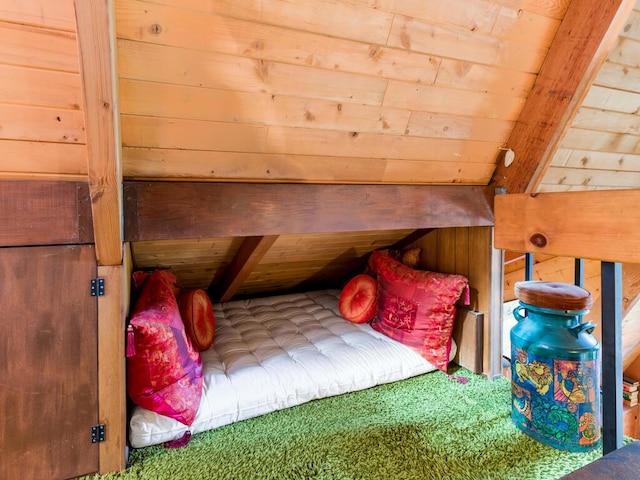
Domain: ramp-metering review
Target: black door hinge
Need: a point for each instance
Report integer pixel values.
(97, 287)
(98, 433)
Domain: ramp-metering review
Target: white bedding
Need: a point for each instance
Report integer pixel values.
(276, 352)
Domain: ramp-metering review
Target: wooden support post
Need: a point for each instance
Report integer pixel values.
(578, 272)
(611, 356)
(528, 266)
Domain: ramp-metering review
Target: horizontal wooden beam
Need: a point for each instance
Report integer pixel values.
(44, 213)
(174, 210)
(602, 225)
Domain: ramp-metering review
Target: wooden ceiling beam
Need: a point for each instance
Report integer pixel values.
(247, 257)
(602, 225)
(96, 43)
(586, 35)
(175, 210)
(44, 213)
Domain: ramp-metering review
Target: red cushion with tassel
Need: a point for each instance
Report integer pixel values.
(164, 370)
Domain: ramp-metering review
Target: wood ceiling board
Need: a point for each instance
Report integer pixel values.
(336, 19)
(39, 124)
(216, 105)
(180, 27)
(43, 158)
(586, 35)
(58, 14)
(145, 163)
(48, 49)
(165, 210)
(36, 87)
(143, 61)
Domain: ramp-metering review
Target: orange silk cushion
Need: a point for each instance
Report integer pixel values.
(358, 301)
(197, 314)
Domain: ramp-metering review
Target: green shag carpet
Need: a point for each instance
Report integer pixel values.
(427, 427)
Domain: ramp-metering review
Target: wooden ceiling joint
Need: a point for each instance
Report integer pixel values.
(585, 37)
(250, 253)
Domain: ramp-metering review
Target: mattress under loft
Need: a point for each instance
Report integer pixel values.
(276, 352)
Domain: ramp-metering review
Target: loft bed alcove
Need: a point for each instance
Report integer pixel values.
(337, 128)
(254, 241)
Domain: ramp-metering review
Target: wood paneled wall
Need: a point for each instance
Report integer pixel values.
(41, 118)
(325, 91)
(469, 251)
(602, 147)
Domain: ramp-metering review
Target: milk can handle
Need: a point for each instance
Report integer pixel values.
(582, 327)
(518, 315)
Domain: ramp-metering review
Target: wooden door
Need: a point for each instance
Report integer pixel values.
(48, 362)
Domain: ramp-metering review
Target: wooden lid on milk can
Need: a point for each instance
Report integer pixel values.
(553, 295)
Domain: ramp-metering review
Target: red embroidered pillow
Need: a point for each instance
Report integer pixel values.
(417, 308)
(197, 314)
(358, 301)
(164, 371)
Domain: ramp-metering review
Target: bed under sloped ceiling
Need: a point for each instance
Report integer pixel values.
(176, 133)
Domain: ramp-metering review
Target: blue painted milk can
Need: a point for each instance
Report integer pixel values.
(555, 371)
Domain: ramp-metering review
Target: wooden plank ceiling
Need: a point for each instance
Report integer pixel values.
(312, 91)
(325, 91)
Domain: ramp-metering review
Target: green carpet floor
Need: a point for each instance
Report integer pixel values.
(428, 427)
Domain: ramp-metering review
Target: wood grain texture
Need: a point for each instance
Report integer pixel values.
(48, 372)
(169, 164)
(468, 251)
(112, 394)
(97, 65)
(468, 333)
(56, 14)
(602, 225)
(44, 213)
(582, 43)
(621, 464)
(167, 210)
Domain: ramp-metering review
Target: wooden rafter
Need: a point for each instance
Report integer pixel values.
(94, 20)
(248, 256)
(581, 45)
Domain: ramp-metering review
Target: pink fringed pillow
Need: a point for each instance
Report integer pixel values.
(417, 308)
(164, 370)
(358, 300)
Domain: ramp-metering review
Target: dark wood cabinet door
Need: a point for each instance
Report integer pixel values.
(48, 362)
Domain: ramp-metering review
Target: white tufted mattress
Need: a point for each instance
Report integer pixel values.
(276, 352)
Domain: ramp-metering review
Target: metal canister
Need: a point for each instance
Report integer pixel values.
(555, 369)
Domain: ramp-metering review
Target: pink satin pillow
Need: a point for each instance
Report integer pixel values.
(164, 370)
(417, 308)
